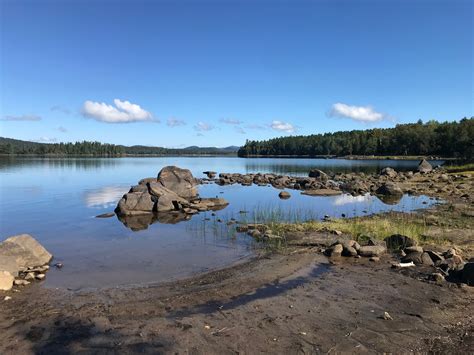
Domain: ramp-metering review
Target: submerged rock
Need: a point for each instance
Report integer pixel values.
(284, 195)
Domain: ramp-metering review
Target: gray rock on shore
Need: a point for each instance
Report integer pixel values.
(18, 254)
(424, 167)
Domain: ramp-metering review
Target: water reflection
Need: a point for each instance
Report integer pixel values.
(347, 199)
(104, 197)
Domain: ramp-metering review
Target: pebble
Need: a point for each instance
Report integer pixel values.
(40, 276)
(387, 316)
(21, 282)
(7, 298)
(30, 276)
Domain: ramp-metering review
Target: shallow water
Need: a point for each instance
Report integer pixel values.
(56, 201)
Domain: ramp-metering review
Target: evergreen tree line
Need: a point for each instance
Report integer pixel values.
(446, 139)
(13, 146)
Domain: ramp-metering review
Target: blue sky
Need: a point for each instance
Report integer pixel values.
(214, 73)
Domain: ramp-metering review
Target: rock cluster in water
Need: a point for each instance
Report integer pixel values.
(22, 260)
(318, 183)
(169, 198)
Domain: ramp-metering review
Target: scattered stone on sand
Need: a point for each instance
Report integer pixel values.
(387, 316)
(437, 277)
(374, 258)
(6, 281)
(20, 282)
(372, 250)
(335, 250)
(40, 276)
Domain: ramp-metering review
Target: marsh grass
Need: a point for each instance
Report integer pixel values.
(464, 168)
(361, 228)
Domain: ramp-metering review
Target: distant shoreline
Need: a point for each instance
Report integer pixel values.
(352, 157)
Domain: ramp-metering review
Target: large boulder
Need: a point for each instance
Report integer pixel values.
(424, 167)
(135, 203)
(389, 189)
(20, 252)
(178, 180)
(318, 174)
(167, 200)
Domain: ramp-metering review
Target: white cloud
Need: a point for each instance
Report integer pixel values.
(231, 121)
(174, 122)
(21, 118)
(122, 112)
(203, 127)
(357, 113)
(282, 126)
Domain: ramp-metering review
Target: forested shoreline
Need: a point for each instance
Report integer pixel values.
(9, 146)
(445, 139)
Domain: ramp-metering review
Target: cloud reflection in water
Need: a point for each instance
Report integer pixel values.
(104, 197)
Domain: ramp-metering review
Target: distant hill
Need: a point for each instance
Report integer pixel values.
(16, 146)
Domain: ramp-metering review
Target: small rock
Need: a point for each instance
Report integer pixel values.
(30, 276)
(437, 277)
(413, 249)
(284, 195)
(335, 250)
(387, 316)
(6, 281)
(372, 250)
(105, 215)
(374, 258)
(40, 276)
(58, 265)
(21, 282)
(7, 298)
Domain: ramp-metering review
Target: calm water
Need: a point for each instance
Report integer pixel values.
(56, 200)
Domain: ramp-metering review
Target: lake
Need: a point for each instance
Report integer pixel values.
(56, 201)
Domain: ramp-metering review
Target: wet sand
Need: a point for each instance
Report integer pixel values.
(296, 302)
